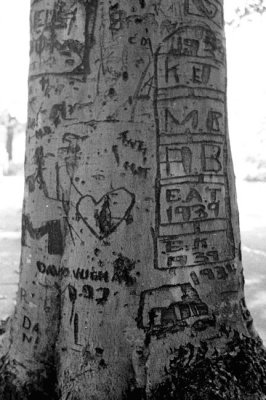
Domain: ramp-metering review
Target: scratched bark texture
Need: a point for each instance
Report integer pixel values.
(130, 243)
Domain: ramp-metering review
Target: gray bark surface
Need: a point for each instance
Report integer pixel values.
(130, 243)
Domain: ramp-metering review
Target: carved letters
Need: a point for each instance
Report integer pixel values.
(51, 228)
(54, 36)
(173, 308)
(193, 226)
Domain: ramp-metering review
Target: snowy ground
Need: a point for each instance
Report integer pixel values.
(251, 198)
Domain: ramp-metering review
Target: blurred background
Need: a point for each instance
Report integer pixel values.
(246, 57)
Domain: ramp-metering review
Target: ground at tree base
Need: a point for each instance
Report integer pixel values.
(239, 373)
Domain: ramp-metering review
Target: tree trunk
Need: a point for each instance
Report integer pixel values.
(131, 255)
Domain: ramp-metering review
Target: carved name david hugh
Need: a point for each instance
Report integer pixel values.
(122, 272)
(78, 273)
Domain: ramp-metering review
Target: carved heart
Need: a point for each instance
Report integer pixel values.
(103, 217)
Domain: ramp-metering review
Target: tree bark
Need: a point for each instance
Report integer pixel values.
(130, 235)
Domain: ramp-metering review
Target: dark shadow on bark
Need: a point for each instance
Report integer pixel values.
(135, 394)
(41, 384)
(239, 373)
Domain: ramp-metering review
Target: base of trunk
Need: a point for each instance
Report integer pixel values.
(40, 385)
(193, 373)
(239, 373)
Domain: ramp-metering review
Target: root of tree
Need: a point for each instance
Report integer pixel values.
(237, 373)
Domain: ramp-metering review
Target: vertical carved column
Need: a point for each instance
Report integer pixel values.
(196, 234)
